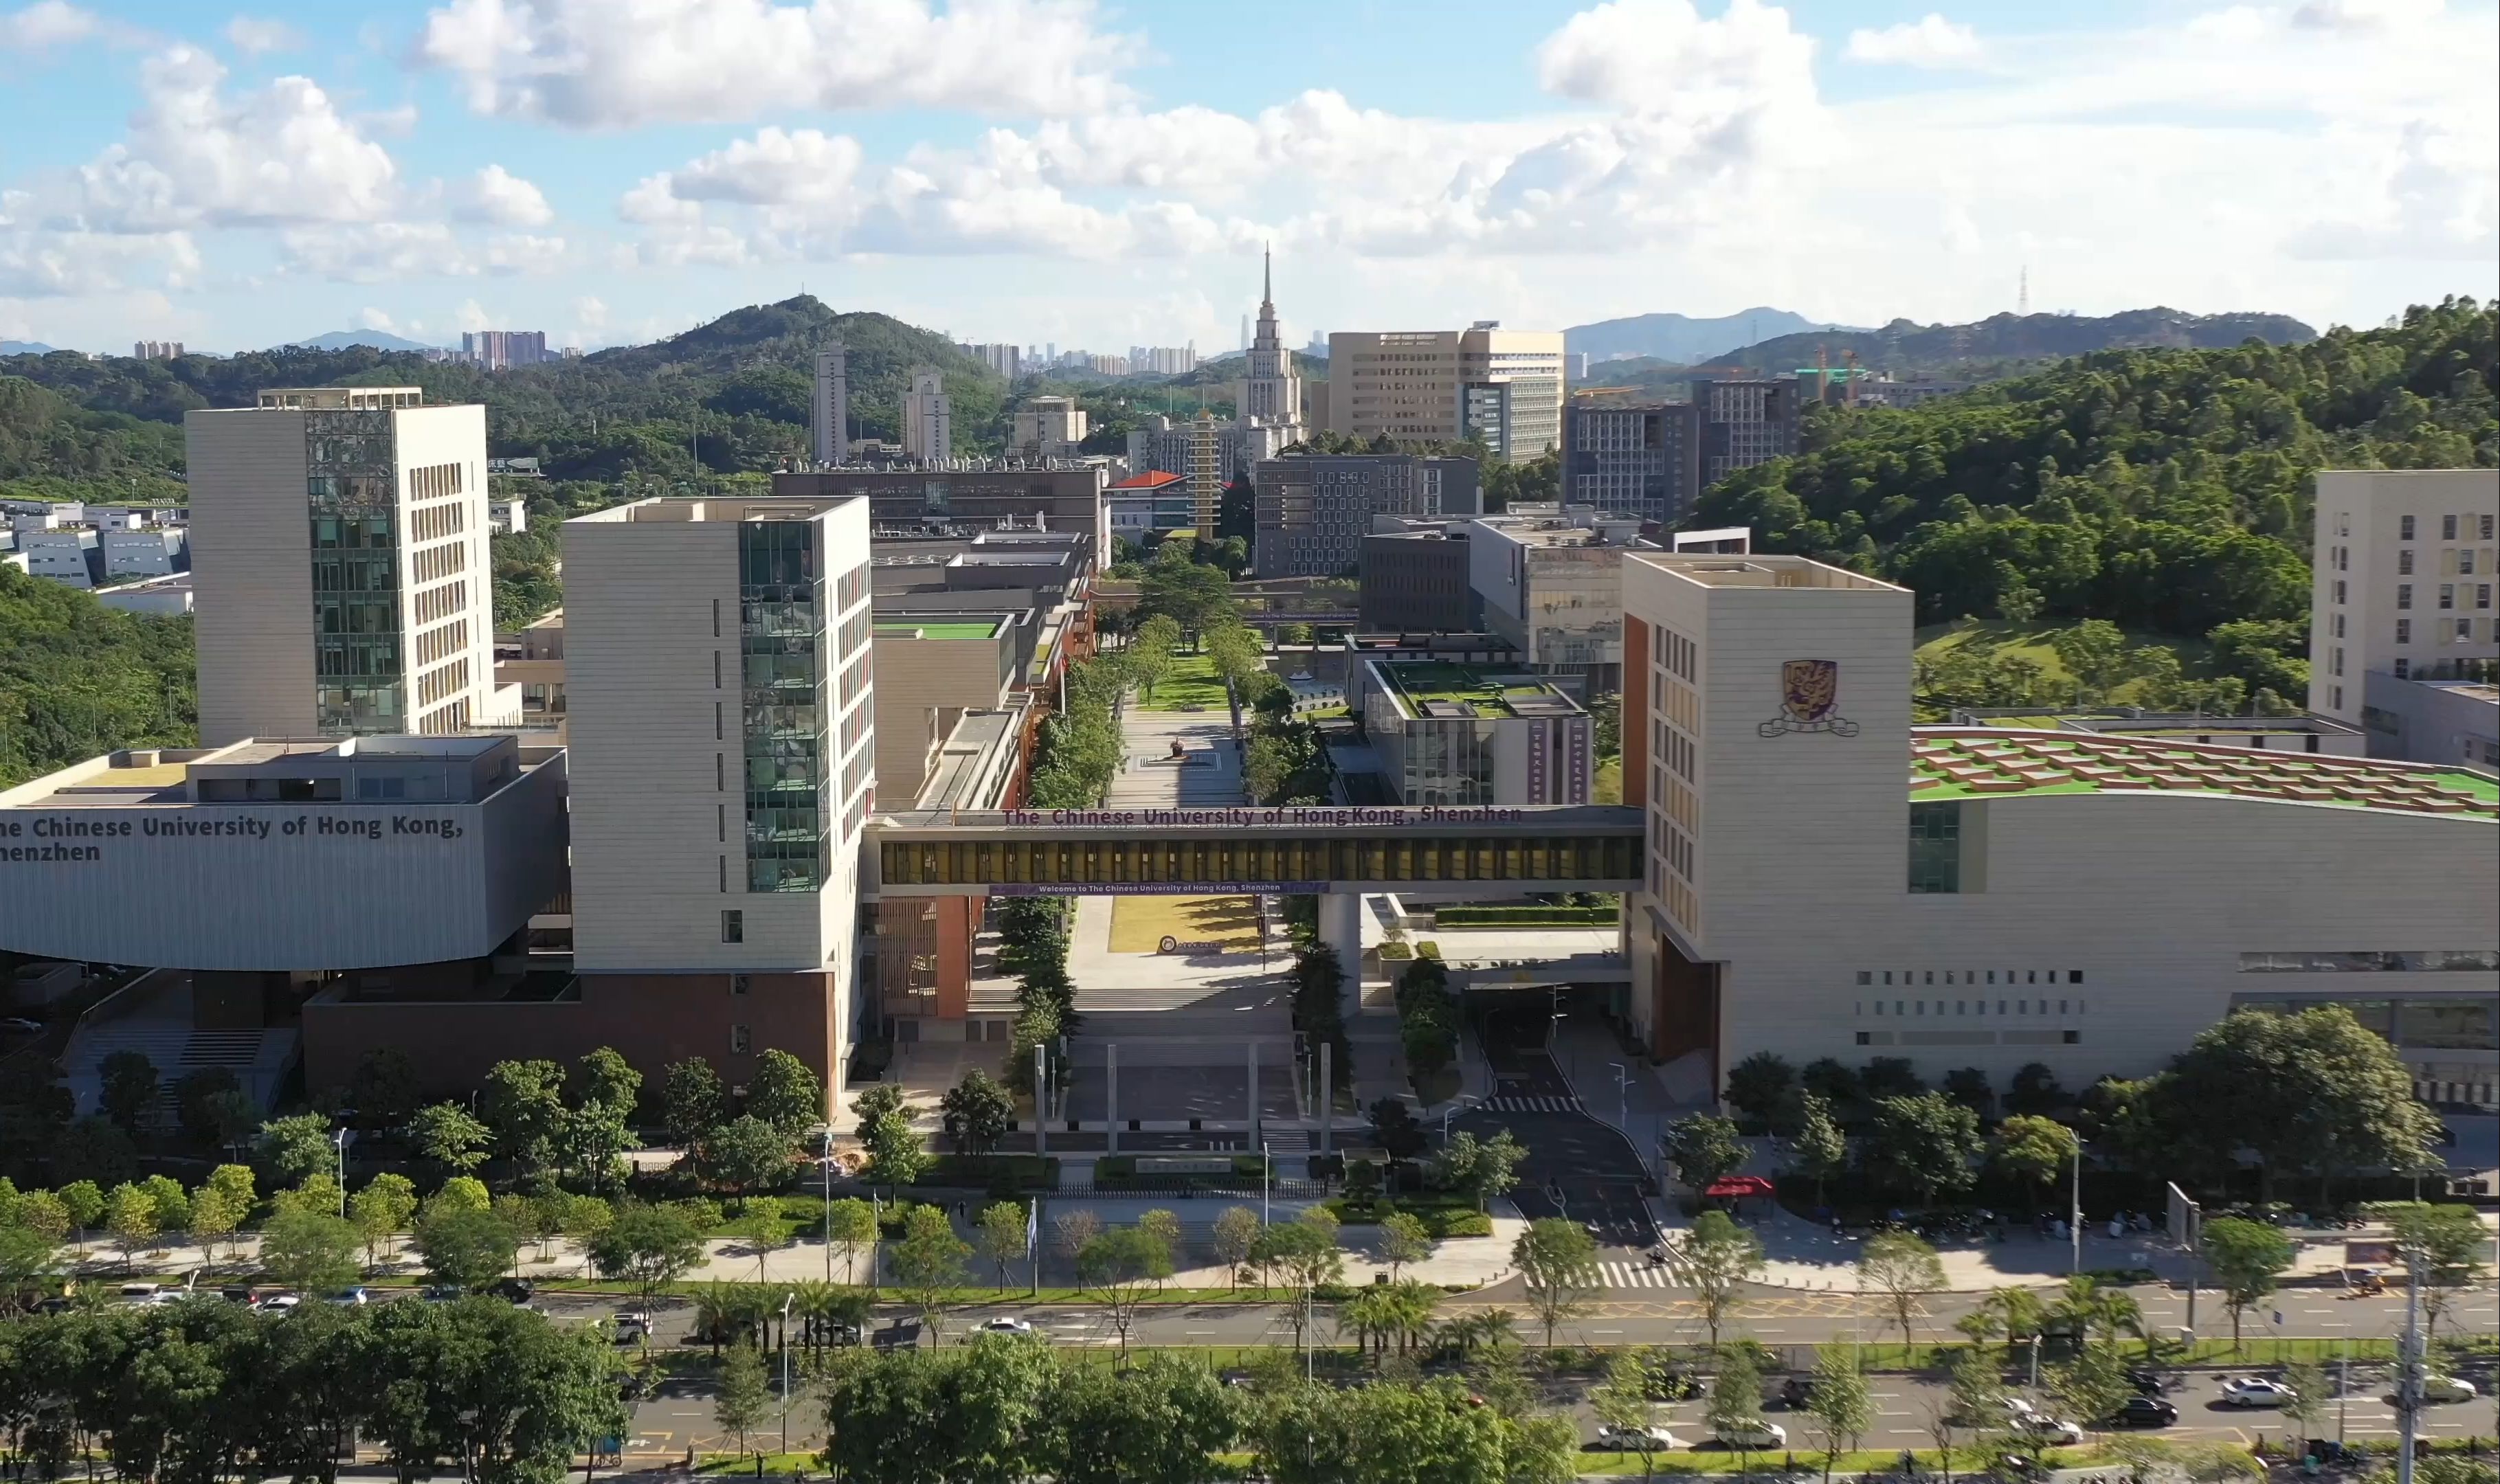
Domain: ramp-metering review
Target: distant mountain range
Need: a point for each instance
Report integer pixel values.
(25, 347)
(1681, 337)
(380, 340)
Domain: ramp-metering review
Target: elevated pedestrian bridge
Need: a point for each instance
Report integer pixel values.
(1502, 850)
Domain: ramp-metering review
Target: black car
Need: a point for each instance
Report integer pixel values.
(2149, 1381)
(514, 1291)
(2144, 1412)
(1797, 1392)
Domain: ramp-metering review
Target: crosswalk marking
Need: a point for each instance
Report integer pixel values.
(1533, 1105)
(1634, 1275)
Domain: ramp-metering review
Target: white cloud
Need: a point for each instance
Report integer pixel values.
(496, 195)
(1932, 41)
(621, 63)
(197, 157)
(775, 168)
(47, 23)
(397, 123)
(45, 263)
(2365, 15)
(375, 252)
(253, 35)
(522, 252)
(1665, 56)
(376, 319)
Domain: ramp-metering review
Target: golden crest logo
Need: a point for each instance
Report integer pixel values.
(1809, 689)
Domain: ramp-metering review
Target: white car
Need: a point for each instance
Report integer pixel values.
(2049, 1430)
(1006, 1324)
(2440, 1388)
(632, 1324)
(2256, 1391)
(1653, 1440)
(279, 1304)
(1755, 1434)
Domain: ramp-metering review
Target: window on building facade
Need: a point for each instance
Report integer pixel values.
(740, 1041)
(2447, 528)
(2404, 528)
(2404, 564)
(2447, 595)
(2404, 631)
(732, 926)
(2404, 595)
(1935, 847)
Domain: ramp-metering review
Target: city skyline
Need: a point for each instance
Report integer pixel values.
(1059, 170)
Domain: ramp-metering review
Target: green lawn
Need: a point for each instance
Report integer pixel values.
(2030, 641)
(1190, 682)
(981, 630)
(1608, 785)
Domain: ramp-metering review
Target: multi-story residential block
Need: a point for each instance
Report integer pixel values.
(927, 418)
(1549, 580)
(1642, 459)
(829, 407)
(1744, 422)
(1313, 510)
(1005, 360)
(2401, 640)
(1049, 428)
(1500, 387)
(503, 349)
(157, 350)
(339, 541)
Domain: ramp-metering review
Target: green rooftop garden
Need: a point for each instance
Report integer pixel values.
(984, 628)
(1428, 681)
(1975, 766)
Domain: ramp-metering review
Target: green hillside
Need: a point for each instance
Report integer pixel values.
(2162, 490)
(77, 679)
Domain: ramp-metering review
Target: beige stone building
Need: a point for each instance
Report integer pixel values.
(339, 546)
(1503, 387)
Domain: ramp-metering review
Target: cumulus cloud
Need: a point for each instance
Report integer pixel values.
(1665, 57)
(374, 252)
(36, 264)
(197, 157)
(47, 23)
(253, 35)
(496, 195)
(1931, 41)
(621, 63)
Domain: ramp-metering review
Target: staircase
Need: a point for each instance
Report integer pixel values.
(259, 1059)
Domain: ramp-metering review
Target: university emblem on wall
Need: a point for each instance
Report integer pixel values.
(1808, 691)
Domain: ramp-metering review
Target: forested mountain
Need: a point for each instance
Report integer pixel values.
(1680, 338)
(2163, 491)
(736, 388)
(2001, 346)
(341, 340)
(43, 433)
(78, 678)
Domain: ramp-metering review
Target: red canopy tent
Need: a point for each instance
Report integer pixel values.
(1737, 1187)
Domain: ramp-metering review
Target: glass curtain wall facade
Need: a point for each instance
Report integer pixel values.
(783, 706)
(1935, 847)
(358, 650)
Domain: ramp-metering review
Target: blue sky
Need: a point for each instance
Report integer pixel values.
(1104, 175)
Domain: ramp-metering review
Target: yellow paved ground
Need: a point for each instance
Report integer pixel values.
(1140, 924)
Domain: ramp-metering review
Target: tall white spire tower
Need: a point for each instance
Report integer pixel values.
(1269, 390)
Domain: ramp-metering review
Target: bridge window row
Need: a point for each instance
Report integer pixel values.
(1073, 862)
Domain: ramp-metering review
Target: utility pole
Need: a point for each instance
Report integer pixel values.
(2075, 1213)
(2409, 1375)
(826, 1169)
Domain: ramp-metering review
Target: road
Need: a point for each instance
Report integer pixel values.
(1576, 1166)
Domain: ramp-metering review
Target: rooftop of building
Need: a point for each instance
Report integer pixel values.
(432, 769)
(910, 628)
(1441, 690)
(1152, 478)
(1717, 570)
(683, 510)
(2133, 721)
(337, 398)
(975, 762)
(1949, 762)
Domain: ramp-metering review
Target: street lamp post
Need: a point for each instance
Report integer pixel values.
(1623, 1097)
(2075, 1212)
(340, 1139)
(827, 1170)
(1267, 1173)
(788, 1300)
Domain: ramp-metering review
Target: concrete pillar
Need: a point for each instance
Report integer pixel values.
(1252, 1067)
(1040, 1101)
(1328, 1098)
(1341, 928)
(1111, 1094)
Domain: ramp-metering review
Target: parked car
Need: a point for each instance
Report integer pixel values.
(1797, 1392)
(2151, 1382)
(443, 1293)
(2256, 1391)
(19, 1025)
(631, 1325)
(239, 1293)
(139, 1293)
(2440, 1388)
(279, 1304)
(2144, 1412)
(1006, 1324)
(514, 1291)
(1757, 1435)
(2053, 1430)
(350, 1297)
(1622, 1440)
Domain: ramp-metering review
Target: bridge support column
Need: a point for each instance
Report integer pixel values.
(1111, 1094)
(1341, 928)
(1253, 1066)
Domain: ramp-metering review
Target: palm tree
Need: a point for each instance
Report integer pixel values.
(1410, 1312)
(1367, 1317)
(713, 1306)
(2018, 1312)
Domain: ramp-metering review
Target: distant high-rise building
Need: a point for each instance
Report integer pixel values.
(1005, 360)
(1163, 360)
(829, 415)
(1641, 459)
(1313, 510)
(366, 607)
(1269, 389)
(1744, 421)
(1205, 489)
(1157, 443)
(2403, 641)
(1500, 387)
(1049, 428)
(503, 349)
(927, 417)
(157, 350)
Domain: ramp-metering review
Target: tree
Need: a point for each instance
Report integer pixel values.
(1764, 1087)
(1001, 1234)
(1167, 1418)
(1975, 1389)
(212, 1108)
(129, 1086)
(850, 1223)
(84, 1203)
(298, 1148)
(1070, 1231)
(382, 1090)
(589, 1140)
(491, 1387)
(766, 1228)
(977, 1111)
(692, 1101)
(1734, 1409)
(1122, 1265)
(1304, 1254)
(2451, 1240)
(2034, 1090)
(1714, 1260)
(445, 1133)
(27, 1257)
(928, 1262)
(1903, 1269)
(461, 1192)
(1820, 1150)
(1926, 1144)
(2246, 1257)
(744, 1155)
(1557, 1258)
(214, 1219)
(2033, 1151)
(1969, 1087)
(744, 1399)
(2094, 652)
(1236, 1233)
(130, 1215)
(785, 1092)
(1841, 1404)
(465, 1248)
(2306, 1407)
(2090, 1386)
(649, 1245)
(1148, 656)
(1404, 1240)
(1622, 1401)
(172, 1202)
(308, 1251)
(1481, 1169)
(603, 1076)
(523, 1104)
(1702, 1147)
(1395, 1130)
(2015, 1312)
(896, 1154)
(381, 1210)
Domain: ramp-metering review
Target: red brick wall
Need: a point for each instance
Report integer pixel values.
(1636, 711)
